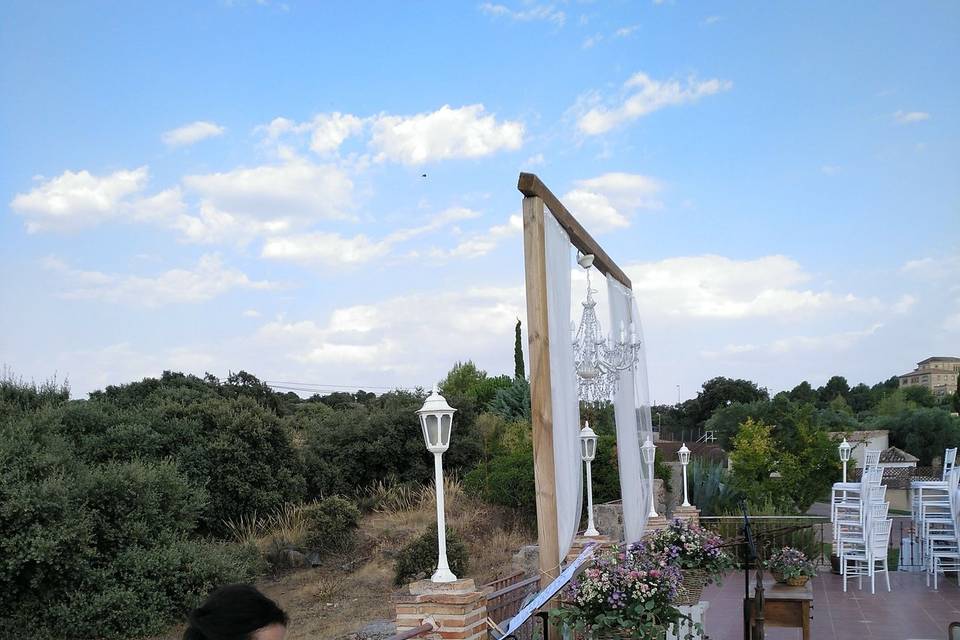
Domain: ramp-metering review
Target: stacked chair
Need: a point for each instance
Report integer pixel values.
(861, 528)
(934, 511)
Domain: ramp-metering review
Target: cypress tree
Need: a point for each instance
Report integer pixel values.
(518, 372)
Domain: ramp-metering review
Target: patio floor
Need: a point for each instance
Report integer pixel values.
(912, 611)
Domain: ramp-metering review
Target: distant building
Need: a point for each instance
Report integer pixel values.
(939, 374)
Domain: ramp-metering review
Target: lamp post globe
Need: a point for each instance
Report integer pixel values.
(588, 451)
(844, 449)
(684, 455)
(436, 421)
(649, 451)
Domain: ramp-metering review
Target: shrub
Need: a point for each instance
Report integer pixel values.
(331, 524)
(506, 480)
(418, 560)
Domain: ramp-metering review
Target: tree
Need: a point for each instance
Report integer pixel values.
(811, 467)
(836, 386)
(719, 392)
(754, 458)
(923, 432)
(518, 371)
(803, 392)
(919, 396)
(956, 396)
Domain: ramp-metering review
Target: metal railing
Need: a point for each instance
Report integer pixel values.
(509, 595)
(806, 533)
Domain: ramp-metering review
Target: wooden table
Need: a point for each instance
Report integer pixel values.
(783, 605)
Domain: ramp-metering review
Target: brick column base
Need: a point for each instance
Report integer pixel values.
(458, 608)
(653, 524)
(581, 541)
(691, 514)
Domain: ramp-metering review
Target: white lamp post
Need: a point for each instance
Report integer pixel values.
(588, 450)
(684, 455)
(649, 451)
(844, 456)
(436, 420)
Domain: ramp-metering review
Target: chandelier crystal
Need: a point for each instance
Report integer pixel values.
(598, 361)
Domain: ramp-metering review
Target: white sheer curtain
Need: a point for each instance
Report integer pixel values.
(631, 408)
(563, 385)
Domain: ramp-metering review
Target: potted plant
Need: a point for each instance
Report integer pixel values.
(696, 551)
(623, 593)
(791, 566)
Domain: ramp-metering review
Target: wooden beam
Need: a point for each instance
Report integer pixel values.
(541, 409)
(531, 186)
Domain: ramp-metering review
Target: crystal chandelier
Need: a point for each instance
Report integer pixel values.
(598, 361)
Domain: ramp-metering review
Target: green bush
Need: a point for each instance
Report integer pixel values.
(331, 524)
(506, 480)
(418, 560)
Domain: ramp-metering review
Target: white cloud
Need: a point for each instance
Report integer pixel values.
(591, 41)
(390, 335)
(537, 12)
(481, 244)
(907, 117)
(208, 279)
(465, 132)
(904, 304)
(78, 199)
(952, 323)
(933, 269)
(327, 130)
(830, 169)
(833, 342)
(251, 313)
(623, 32)
(712, 20)
(642, 95)
(606, 202)
(192, 133)
(712, 286)
(333, 249)
(534, 160)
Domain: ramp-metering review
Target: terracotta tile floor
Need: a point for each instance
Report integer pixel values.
(912, 611)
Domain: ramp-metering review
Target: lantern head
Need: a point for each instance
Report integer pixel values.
(844, 450)
(684, 454)
(649, 451)
(588, 443)
(436, 420)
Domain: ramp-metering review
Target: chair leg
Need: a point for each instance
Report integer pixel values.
(886, 573)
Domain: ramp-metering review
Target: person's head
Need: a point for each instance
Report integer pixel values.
(237, 612)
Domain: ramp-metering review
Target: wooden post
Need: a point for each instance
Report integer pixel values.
(541, 406)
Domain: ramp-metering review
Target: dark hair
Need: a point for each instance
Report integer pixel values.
(233, 612)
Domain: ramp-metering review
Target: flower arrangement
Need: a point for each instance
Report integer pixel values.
(791, 566)
(622, 593)
(689, 546)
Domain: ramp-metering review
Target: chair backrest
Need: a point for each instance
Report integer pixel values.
(879, 510)
(954, 631)
(871, 458)
(872, 476)
(949, 461)
(880, 536)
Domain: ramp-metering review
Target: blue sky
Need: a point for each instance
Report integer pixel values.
(210, 186)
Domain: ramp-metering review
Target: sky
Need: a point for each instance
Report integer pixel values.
(325, 195)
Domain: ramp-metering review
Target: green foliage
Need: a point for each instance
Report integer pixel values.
(331, 524)
(754, 458)
(836, 386)
(467, 381)
(358, 445)
(709, 487)
(505, 480)
(956, 396)
(719, 392)
(513, 402)
(518, 372)
(418, 560)
(919, 396)
(98, 549)
(923, 432)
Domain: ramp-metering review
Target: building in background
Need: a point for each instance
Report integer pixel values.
(939, 374)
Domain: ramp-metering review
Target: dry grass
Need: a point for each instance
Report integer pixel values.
(287, 527)
(351, 589)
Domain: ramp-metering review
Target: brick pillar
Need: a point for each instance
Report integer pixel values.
(691, 514)
(458, 608)
(654, 524)
(581, 541)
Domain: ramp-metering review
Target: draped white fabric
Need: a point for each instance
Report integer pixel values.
(632, 414)
(563, 385)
